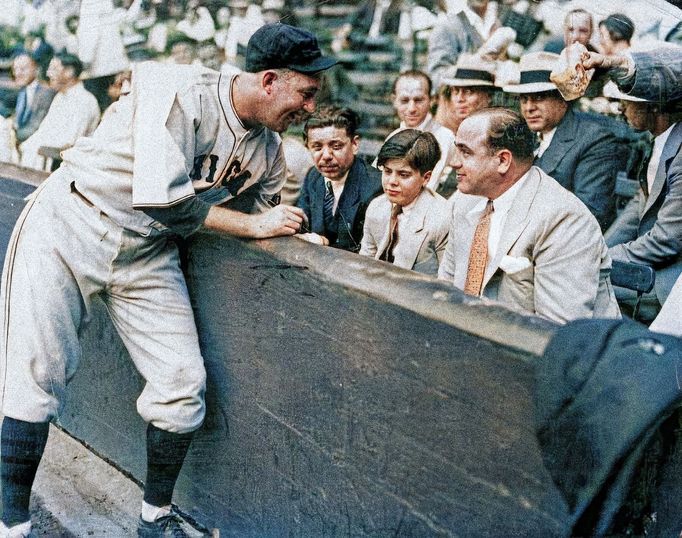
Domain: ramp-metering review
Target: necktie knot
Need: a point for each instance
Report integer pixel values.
(396, 210)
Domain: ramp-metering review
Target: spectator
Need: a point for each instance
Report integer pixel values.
(582, 155)
(73, 113)
(34, 98)
(469, 89)
(578, 28)
(412, 102)
(458, 32)
(532, 244)
(649, 230)
(615, 33)
(407, 225)
(337, 191)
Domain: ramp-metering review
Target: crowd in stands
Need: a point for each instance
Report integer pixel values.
(487, 176)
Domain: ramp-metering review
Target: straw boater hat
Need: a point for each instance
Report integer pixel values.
(535, 69)
(471, 71)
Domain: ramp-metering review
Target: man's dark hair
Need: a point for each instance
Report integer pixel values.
(420, 149)
(508, 129)
(70, 61)
(333, 116)
(620, 27)
(414, 73)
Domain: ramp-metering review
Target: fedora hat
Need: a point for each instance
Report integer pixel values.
(534, 73)
(471, 70)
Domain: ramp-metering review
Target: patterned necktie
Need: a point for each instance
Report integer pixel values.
(328, 207)
(387, 254)
(478, 256)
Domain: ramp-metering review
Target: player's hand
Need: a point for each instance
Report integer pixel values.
(280, 220)
(594, 60)
(317, 239)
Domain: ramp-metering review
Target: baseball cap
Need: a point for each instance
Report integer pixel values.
(278, 46)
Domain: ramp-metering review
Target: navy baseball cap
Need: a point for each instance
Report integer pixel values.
(280, 46)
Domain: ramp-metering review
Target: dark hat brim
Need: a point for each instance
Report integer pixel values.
(315, 66)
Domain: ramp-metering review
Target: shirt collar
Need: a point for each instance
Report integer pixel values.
(485, 24)
(501, 204)
(423, 126)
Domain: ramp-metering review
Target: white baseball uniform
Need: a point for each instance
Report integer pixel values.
(170, 149)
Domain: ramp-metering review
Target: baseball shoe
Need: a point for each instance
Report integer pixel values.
(176, 524)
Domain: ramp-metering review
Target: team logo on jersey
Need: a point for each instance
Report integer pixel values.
(205, 166)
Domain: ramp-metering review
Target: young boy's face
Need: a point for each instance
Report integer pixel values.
(402, 183)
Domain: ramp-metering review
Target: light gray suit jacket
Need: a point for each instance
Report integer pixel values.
(649, 230)
(565, 274)
(422, 248)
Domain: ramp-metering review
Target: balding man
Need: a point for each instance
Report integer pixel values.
(516, 235)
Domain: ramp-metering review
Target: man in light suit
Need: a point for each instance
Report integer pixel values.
(575, 149)
(337, 191)
(34, 98)
(517, 236)
(408, 225)
(649, 230)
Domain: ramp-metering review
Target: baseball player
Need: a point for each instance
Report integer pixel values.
(185, 141)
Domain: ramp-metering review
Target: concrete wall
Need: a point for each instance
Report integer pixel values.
(345, 398)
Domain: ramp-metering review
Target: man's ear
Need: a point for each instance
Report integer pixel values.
(267, 81)
(505, 160)
(355, 144)
(427, 176)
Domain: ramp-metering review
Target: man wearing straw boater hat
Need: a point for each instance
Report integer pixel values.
(469, 88)
(575, 149)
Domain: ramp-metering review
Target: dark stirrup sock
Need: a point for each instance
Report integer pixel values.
(165, 453)
(22, 445)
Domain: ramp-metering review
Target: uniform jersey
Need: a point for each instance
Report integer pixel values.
(176, 136)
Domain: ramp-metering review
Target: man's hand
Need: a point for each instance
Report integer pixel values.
(314, 238)
(280, 220)
(594, 60)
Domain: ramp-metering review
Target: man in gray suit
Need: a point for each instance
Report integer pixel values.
(575, 149)
(516, 235)
(34, 98)
(458, 32)
(649, 230)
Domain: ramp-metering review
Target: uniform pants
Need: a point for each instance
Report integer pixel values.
(64, 252)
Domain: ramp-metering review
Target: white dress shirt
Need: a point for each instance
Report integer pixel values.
(545, 141)
(656, 152)
(501, 206)
(484, 25)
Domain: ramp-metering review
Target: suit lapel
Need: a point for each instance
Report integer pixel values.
(670, 149)
(317, 202)
(416, 233)
(350, 197)
(516, 221)
(565, 133)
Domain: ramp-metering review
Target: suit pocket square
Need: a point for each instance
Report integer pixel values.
(511, 265)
